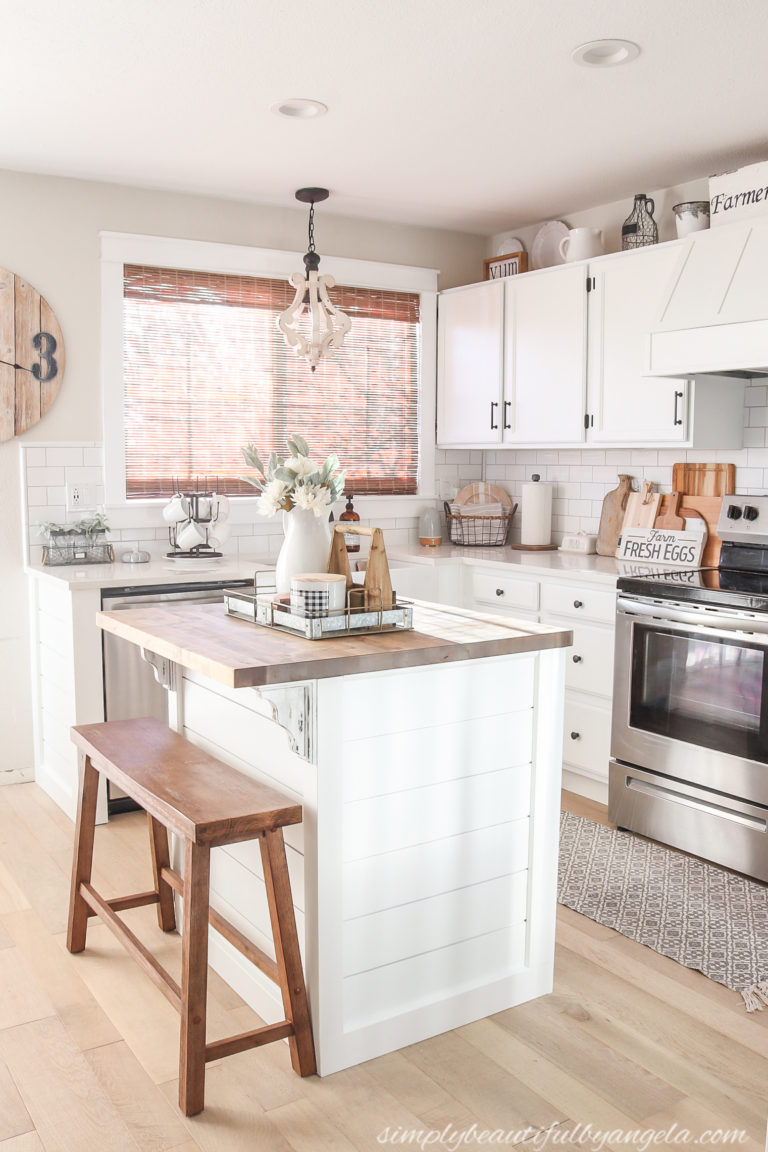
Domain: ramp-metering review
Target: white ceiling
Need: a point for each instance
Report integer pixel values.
(464, 114)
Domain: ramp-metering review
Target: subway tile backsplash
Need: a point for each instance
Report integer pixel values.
(50, 469)
(582, 477)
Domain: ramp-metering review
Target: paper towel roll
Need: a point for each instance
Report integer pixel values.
(536, 515)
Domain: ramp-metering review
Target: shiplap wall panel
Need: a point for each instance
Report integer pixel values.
(384, 938)
(396, 702)
(393, 762)
(424, 979)
(380, 882)
(387, 823)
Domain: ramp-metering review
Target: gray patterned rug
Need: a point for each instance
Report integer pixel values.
(700, 915)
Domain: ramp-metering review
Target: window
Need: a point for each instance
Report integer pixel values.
(205, 371)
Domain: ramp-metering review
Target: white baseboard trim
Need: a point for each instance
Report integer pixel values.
(585, 786)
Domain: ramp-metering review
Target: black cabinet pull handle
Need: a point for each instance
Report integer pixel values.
(576, 659)
(494, 404)
(507, 406)
(678, 397)
(499, 591)
(575, 735)
(578, 603)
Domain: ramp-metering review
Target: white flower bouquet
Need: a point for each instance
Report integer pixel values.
(296, 483)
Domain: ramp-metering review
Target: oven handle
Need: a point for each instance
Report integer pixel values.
(753, 629)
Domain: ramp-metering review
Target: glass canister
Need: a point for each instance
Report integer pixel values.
(639, 229)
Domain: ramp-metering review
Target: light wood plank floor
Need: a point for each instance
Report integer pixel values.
(88, 1047)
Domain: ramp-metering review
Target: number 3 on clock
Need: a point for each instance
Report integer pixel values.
(45, 344)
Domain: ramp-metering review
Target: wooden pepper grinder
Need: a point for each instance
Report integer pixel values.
(612, 517)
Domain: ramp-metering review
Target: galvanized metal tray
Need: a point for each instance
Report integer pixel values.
(264, 609)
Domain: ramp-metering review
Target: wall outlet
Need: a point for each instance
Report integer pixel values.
(80, 497)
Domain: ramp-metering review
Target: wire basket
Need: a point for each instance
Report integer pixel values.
(480, 531)
(77, 548)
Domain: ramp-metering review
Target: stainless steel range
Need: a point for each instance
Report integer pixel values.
(689, 743)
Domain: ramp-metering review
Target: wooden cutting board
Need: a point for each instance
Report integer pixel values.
(704, 479)
(709, 507)
(612, 517)
(642, 507)
(670, 516)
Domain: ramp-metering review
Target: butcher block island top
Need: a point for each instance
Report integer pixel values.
(240, 654)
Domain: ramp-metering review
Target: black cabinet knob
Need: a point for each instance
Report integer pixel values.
(499, 591)
(576, 659)
(575, 735)
(578, 603)
(750, 512)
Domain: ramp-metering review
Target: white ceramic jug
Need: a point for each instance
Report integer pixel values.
(581, 244)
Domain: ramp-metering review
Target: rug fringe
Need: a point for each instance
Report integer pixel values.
(756, 996)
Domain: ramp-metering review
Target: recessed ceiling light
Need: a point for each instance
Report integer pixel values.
(297, 109)
(605, 53)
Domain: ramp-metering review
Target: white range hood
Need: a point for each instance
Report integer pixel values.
(714, 319)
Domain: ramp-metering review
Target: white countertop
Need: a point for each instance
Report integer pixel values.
(603, 569)
(156, 571)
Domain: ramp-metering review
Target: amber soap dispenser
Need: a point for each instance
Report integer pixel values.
(349, 516)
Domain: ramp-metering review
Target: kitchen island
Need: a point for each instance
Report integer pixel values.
(428, 765)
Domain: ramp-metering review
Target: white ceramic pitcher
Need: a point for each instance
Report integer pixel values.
(581, 244)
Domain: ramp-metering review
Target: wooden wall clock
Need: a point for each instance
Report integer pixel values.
(31, 355)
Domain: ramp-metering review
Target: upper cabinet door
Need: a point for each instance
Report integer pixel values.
(546, 356)
(470, 364)
(624, 405)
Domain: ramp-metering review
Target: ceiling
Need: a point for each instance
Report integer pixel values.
(462, 114)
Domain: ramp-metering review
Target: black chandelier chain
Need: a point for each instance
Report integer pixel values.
(311, 228)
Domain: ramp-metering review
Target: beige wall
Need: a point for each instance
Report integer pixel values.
(49, 234)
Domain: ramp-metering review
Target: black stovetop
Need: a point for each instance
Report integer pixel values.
(724, 586)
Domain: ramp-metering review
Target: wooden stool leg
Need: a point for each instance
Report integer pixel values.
(194, 978)
(287, 951)
(82, 861)
(161, 858)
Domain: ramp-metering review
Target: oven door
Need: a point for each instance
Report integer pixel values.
(691, 695)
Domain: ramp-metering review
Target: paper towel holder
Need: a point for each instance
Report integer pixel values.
(535, 477)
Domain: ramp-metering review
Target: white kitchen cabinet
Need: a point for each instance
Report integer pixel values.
(570, 366)
(622, 404)
(545, 341)
(588, 609)
(470, 364)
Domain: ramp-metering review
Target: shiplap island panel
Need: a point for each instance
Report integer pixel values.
(428, 766)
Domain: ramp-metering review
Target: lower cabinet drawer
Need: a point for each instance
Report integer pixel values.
(587, 737)
(574, 600)
(504, 592)
(589, 666)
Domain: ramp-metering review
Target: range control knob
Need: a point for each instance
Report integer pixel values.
(750, 512)
(734, 512)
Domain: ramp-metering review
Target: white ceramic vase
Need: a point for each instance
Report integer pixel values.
(305, 548)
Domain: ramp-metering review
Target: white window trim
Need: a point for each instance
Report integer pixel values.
(118, 249)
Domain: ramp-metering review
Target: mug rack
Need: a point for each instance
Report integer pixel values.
(201, 513)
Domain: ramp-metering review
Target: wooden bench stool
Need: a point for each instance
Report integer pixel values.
(206, 803)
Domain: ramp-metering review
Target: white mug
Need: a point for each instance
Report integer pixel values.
(190, 536)
(581, 244)
(177, 509)
(219, 534)
(318, 593)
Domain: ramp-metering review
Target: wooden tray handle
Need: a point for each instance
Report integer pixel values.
(378, 583)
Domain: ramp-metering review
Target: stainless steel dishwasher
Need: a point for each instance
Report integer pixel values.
(130, 687)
